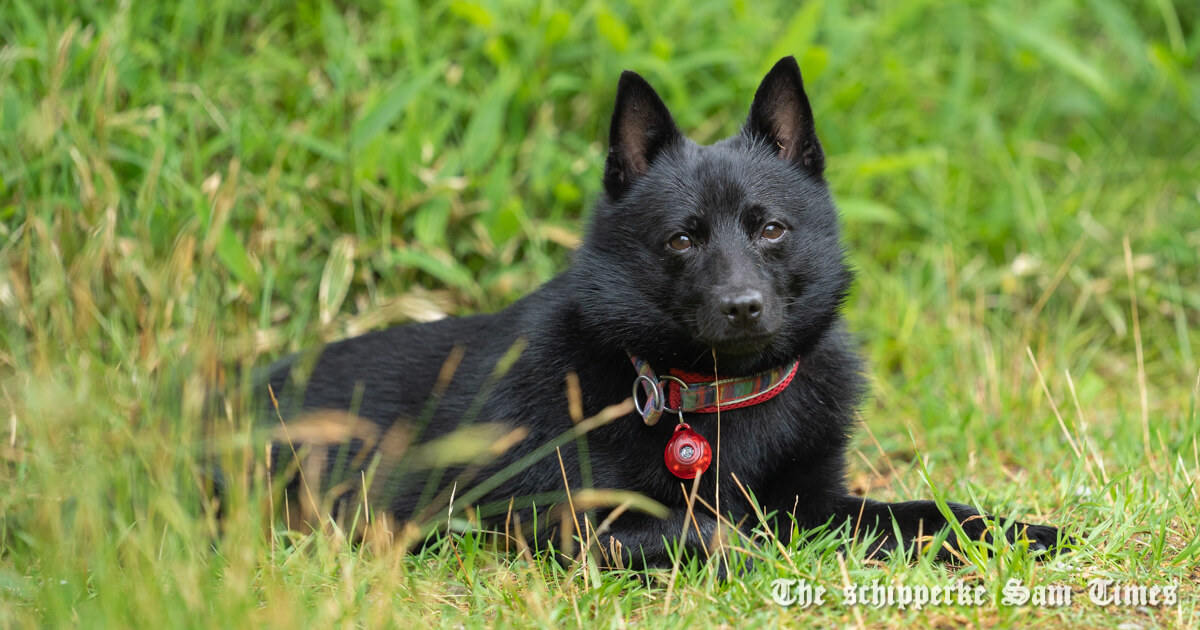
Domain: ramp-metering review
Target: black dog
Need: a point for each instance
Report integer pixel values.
(700, 260)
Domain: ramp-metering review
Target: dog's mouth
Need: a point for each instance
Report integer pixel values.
(742, 344)
(736, 340)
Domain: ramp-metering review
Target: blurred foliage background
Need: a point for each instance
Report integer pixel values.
(186, 185)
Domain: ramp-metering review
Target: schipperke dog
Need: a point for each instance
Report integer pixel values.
(711, 279)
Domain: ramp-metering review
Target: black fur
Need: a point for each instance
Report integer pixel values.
(761, 297)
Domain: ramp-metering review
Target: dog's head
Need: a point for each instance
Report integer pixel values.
(733, 246)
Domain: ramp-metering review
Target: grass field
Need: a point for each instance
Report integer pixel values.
(186, 186)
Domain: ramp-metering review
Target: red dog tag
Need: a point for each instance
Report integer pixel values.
(688, 453)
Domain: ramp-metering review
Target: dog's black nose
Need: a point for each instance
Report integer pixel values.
(742, 309)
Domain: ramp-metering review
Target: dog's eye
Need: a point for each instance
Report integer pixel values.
(680, 242)
(773, 231)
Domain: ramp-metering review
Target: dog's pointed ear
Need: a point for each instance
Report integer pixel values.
(641, 128)
(781, 117)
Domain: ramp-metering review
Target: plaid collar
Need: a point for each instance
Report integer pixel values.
(688, 392)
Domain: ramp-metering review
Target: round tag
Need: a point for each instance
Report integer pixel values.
(688, 453)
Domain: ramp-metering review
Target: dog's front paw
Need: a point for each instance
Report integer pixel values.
(1042, 538)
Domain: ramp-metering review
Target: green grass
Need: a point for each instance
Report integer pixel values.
(188, 186)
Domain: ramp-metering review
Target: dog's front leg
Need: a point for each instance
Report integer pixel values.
(641, 540)
(811, 492)
(917, 521)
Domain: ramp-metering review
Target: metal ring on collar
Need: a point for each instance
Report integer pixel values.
(655, 402)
